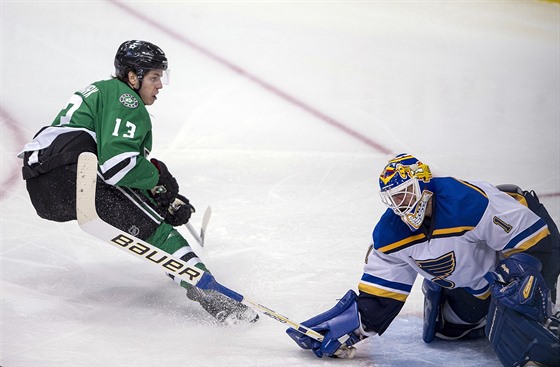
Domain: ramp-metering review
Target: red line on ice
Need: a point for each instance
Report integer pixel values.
(276, 91)
(20, 140)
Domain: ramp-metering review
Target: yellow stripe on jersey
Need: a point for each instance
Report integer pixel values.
(484, 295)
(524, 246)
(370, 289)
(474, 188)
(519, 198)
(453, 230)
(402, 243)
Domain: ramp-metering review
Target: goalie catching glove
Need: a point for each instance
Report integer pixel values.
(519, 285)
(341, 327)
(520, 326)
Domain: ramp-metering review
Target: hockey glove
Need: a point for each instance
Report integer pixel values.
(340, 326)
(167, 187)
(519, 285)
(179, 212)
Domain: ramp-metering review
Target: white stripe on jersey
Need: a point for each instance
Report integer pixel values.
(114, 161)
(46, 137)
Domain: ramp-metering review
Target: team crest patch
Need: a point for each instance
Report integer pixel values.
(129, 100)
(440, 268)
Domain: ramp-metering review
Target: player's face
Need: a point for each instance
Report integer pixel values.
(151, 84)
(404, 199)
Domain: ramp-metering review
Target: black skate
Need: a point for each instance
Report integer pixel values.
(223, 308)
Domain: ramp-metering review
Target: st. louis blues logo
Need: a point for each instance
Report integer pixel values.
(128, 100)
(440, 268)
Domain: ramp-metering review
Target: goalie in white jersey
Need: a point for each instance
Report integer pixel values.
(479, 248)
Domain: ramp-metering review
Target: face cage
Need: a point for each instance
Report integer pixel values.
(410, 194)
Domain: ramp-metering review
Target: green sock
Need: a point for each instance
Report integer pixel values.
(168, 239)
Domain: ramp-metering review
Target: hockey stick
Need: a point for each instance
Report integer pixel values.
(205, 219)
(194, 234)
(89, 221)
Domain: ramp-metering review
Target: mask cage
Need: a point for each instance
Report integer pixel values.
(403, 198)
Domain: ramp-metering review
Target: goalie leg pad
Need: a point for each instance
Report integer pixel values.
(433, 300)
(518, 339)
(452, 314)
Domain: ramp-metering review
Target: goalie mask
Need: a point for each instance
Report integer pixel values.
(404, 188)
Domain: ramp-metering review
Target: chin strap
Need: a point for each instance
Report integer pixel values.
(414, 220)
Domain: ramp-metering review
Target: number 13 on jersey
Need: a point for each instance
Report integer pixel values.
(129, 125)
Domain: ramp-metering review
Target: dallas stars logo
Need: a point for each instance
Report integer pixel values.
(128, 100)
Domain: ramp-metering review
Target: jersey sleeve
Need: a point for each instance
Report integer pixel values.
(129, 167)
(387, 277)
(509, 226)
(124, 138)
(384, 287)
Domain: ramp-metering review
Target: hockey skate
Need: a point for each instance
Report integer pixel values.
(223, 308)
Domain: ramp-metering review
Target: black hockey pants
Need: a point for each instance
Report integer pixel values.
(53, 194)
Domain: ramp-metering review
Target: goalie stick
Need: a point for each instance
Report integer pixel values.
(90, 222)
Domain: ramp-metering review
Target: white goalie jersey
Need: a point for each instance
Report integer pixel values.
(473, 226)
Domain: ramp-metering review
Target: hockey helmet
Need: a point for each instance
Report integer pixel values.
(139, 57)
(404, 188)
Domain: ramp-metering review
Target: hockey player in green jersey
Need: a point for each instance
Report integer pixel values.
(134, 193)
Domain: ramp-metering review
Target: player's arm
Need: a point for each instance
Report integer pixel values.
(515, 228)
(121, 159)
(131, 169)
(384, 287)
(509, 226)
(376, 312)
(122, 134)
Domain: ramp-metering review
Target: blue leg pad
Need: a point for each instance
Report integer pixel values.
(433, 295)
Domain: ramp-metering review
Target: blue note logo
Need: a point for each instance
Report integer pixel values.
(440, 268)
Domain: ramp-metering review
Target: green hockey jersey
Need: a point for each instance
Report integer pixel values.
(116, 118)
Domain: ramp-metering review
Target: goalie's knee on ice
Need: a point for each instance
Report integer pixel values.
(451, 314)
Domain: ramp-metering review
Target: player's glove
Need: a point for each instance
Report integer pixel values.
(340, 326)
(519, 285)
(167, 187)
(179, 211)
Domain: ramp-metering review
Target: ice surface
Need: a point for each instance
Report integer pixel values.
(269, 118)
